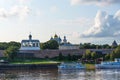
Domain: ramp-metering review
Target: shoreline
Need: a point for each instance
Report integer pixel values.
(28, 66)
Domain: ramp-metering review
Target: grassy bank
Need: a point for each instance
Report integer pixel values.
(30, 61)
(35, 62)
(90, 66)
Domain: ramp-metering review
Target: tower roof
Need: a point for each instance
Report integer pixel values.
(114, 43)
(30, 37)
(51, 38)
(55, 36)
(64, 40)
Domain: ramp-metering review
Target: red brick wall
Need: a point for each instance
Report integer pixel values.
(54, 53)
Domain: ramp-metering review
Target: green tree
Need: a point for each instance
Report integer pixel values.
(51, 44)
(107, 57)
(87, 54)
(94, 55)
(11, 52)
(115, 53)
(74, 57)
(5, 45)
(69, 57)
(13, 43)
(60, 57)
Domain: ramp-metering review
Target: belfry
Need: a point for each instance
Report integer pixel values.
(30, 44)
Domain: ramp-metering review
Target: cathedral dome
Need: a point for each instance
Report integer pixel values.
(30, 37)
(56, 36)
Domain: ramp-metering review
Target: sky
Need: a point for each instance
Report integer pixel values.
(81, 21)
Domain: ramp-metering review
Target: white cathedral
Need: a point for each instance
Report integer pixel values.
(64, 44)
(30, 44)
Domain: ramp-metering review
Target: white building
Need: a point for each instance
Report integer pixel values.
(67, 46)
(56, 38)
(63, 43)
(30, 44)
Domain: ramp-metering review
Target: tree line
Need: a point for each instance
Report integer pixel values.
(51, 44)
(95, 46)
(12, 48)
(5, 45)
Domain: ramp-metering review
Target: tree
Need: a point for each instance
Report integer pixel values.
(106, 46)
(115, 53)
(69, 57)
(60, 57)
(87, 54)
(107, 56)
(51, 44)
(11, 52)
(94, 55)
(74, 57)
(5, 45)
(13, 43)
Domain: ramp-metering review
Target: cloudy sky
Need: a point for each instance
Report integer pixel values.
(95, 21)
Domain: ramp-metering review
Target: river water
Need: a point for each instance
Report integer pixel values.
(54, 74)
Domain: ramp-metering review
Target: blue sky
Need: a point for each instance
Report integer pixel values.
(95, 21)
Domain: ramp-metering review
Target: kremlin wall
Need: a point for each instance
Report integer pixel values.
(55, 53)
(31, 48)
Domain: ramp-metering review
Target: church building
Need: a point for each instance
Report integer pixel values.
(56, 38)
(30, 44)
(63, 43)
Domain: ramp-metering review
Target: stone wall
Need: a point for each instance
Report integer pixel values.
(54, 53)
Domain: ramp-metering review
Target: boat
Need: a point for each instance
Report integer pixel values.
(109, 64)
(71, 66)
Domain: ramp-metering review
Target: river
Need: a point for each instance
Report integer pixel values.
(54, 74)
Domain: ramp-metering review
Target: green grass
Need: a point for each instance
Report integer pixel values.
(90, 66)
(31, 61)
(47, 62)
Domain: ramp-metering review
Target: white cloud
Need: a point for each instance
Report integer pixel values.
(74, 22)
(74, 2)
(54, 9)
(117, 15)
(23, 1)
(96, 2)
(15, 11)
(105, 25)
(3, 13)
(40, 13)
(75, 34)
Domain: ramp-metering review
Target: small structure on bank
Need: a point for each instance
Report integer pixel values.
(114, 44)
(30, 44)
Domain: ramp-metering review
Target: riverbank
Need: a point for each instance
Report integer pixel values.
(28, 66)
(38, 65)
(90, 66)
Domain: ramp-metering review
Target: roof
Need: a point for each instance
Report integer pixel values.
(30, 40)
(55, 36)
(114, 43)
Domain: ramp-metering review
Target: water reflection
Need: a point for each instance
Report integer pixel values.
(44, 74)
(108, 74)
(54, 74)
